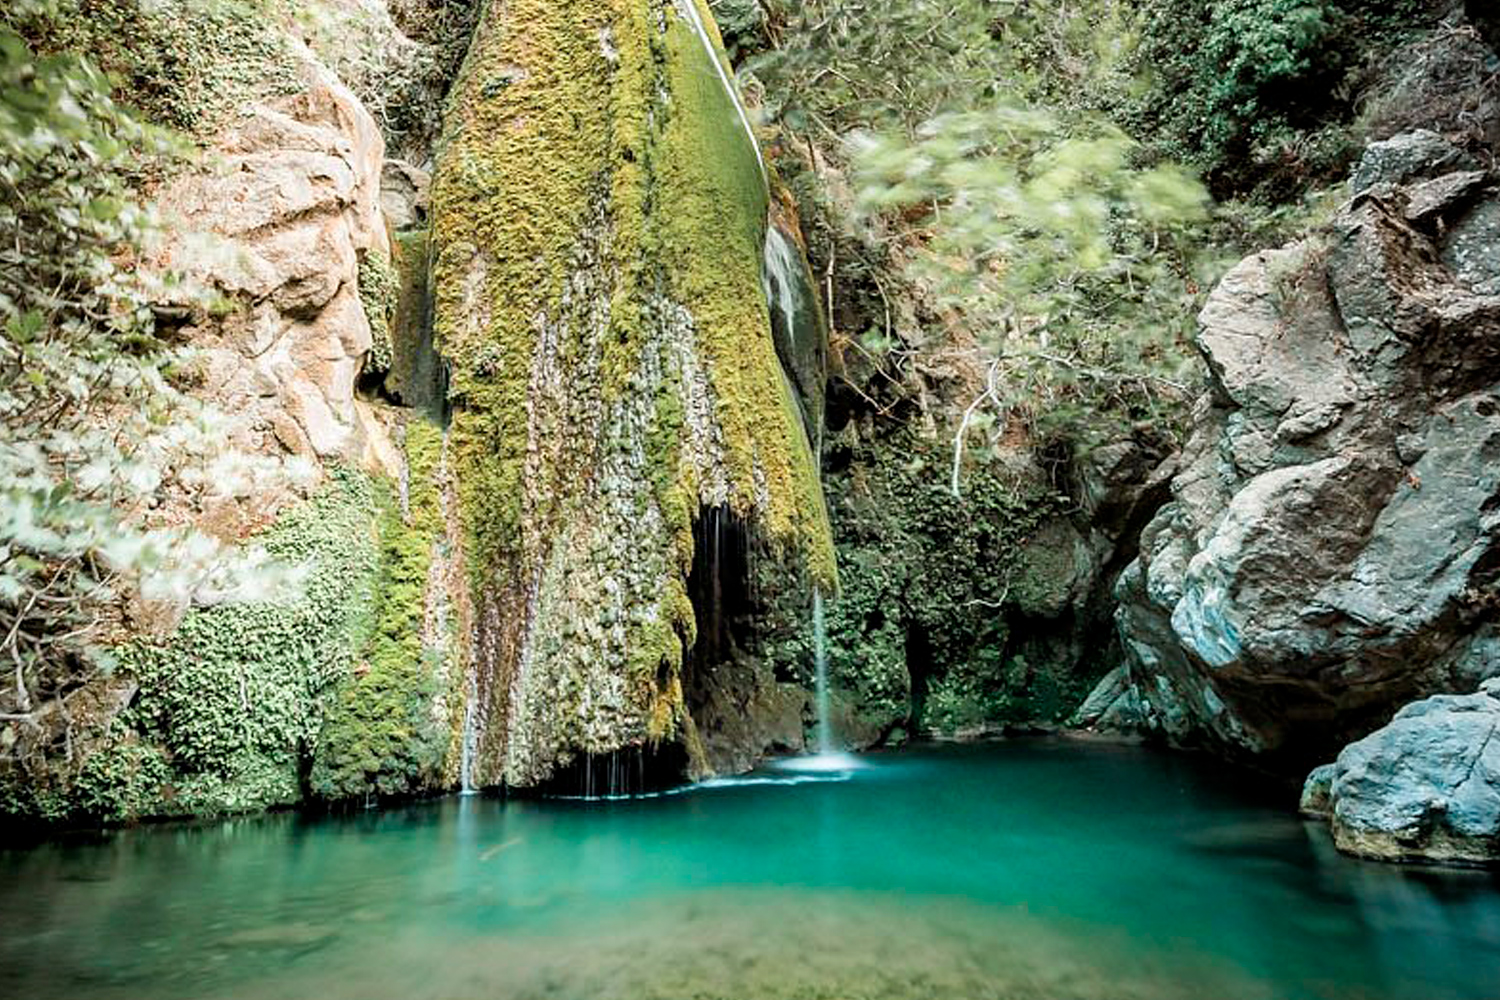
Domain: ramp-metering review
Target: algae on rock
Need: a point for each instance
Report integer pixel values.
(599, 222)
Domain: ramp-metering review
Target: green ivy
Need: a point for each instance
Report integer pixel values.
(235, 697)
(186, 64)
(381, 735)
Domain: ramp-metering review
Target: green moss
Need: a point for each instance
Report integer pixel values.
(379, 293)
(411, 377)
(381, 735)
(187, 64)
(597, 278)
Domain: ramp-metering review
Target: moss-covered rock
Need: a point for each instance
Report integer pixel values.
(386, 732)
(599, 217)
(929, 631)
(379, 295)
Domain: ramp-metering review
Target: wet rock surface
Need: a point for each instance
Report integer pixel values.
(1424, 787)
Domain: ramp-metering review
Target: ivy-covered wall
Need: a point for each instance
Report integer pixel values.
(337, 689)
(599, 218)
(930, 629)
(227, 710)
(387, 730)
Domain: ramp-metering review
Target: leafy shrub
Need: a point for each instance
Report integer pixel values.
(235, 696)
(1260, 93)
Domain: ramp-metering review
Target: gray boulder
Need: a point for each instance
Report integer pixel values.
(1426, 786)
(1317, 792)
(1335, 523)
(1401, 158)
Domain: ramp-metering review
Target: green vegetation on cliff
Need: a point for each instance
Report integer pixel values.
(234, 698)
(221, 716)
(1260, 94)
(185, 64)
(598, 295)
(918, 636)
(381, 734)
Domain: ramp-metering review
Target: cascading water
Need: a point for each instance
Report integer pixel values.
(689, 10)
(820, 660)
(827, 759)
(796, 325)
(785, 286)
(470, 738)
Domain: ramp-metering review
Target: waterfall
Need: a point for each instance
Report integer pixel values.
(470, 736)
(820, 659)
(689, 10)
(783, 268)
(826, 758)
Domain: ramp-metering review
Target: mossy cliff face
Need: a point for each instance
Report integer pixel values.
(599, 219)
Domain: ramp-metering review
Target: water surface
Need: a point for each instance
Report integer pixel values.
(1047, 869)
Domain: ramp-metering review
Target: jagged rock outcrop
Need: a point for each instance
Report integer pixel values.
(600, 210)
(291, 199)
(1424, 787)
(1331, 548)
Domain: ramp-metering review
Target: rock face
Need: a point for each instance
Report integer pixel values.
(1424, 787)
(293, 197)
(1331, 547)
(600, 210)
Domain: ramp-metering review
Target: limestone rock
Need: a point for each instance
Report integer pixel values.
(1337, 513)
(405, 192)
(1424, 787)
(1317, 792)
(290, 202)
(1105, 697)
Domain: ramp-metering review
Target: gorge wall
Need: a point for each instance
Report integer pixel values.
(539, 329)
(1329, 553)
(547, 428)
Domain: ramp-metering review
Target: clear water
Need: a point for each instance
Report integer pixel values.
(1034, 870)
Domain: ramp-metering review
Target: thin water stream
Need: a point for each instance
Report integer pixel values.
(820, 662)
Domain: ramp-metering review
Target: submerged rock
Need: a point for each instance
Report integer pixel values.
(1424, 787)
(1333, 527)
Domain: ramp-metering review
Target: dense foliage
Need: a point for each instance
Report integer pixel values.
(382, 735)
(1260, 94)
(223, 715)
(1016, 213)
(235, 697)
(918, 637)
(102, 454)
(182, 64)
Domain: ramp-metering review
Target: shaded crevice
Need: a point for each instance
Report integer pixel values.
(919, 669)
(738, 708)
(719, 585)
(633, 771)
